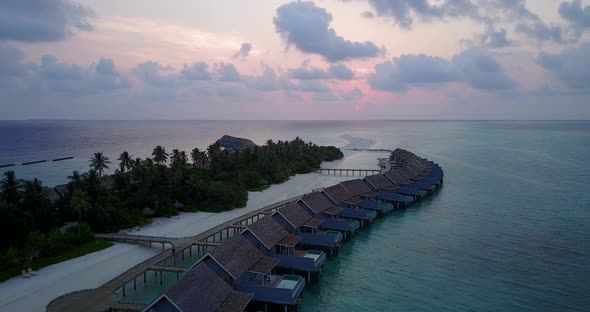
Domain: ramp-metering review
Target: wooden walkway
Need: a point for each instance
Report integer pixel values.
(104, 298)
(348, 172)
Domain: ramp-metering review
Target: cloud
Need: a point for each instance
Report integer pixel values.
(576, 15)
(74, 79)
(486, 12)
(313, 86)
(152, 74)
(42, 20)
(197, 71)
(12, 62)
(397, 75)
(307, 27)
(569, 66)
(482, 71)
(353, 94)
(244, 50)
(404, 11)
(336, 71)
(341, 72)
(304, 73)
(474, 66)
(228, 72)
(269, 81)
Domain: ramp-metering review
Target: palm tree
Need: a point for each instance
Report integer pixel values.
(126, 161)
(199, 157)
(175, 158)
(183, 157)
(80, 203)
(75, 177)
(160, 155)
(10, 187)
(99, 163)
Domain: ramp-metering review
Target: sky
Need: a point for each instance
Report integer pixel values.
(269, 59)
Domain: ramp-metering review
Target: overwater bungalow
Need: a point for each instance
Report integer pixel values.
(275, 241)
(395, 177)
(297, 221)
(340, 197)
(368, 197)
(320, 207)
(387, 189)
(200, 289)
(244, 267)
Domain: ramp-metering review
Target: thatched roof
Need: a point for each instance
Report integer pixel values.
(235, 142)
(379, 181)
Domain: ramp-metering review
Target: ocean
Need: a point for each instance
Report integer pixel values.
(509, 230)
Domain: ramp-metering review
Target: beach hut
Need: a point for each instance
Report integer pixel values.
(200, 289)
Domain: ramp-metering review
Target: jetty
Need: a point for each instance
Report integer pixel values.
(262, 260)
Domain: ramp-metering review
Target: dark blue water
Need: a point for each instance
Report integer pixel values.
(509, 231)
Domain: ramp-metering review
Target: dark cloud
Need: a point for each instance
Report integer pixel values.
(482, 71)
(244, 50)
(336, 71)
(487, 12)
(12, 62)
(76, 80)
(341, 72)
(353, 94)
(53, 69)
(307, 27)
(541, 32)
(313, 86)
(494, 39)
(305, 73)
(475, 67)
(152, 73)
(576, 15)
(228, 72)
(42, 20)
(269, 81)
(404, 11)
(197, 71)
(397, 75)
(570, 66)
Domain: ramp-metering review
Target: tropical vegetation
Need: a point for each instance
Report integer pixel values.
(214, 179)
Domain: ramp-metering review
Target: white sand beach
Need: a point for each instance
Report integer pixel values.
(93, 270)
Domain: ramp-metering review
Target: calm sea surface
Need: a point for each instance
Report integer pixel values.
(509, 231)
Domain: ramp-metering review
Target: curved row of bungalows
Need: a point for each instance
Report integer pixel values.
(242, 273)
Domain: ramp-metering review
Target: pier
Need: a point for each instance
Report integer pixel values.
(348, 172)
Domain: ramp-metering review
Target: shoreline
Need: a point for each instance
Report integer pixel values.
(93, 270)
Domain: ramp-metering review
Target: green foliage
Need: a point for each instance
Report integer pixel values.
(216, 180)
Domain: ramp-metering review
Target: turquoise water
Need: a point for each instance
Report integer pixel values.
(509, 230)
